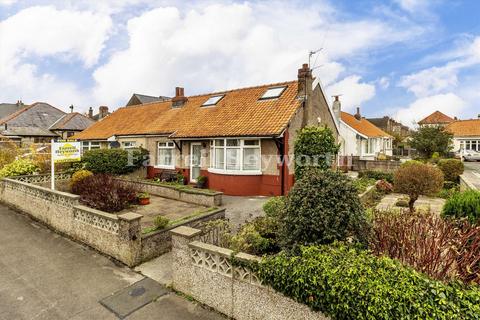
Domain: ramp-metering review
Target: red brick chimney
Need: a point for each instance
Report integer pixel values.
(102, 112)
(305, 81)
(179, 100)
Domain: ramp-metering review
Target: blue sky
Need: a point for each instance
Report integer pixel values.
(402, 58)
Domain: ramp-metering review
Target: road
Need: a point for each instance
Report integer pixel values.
(46, 276)
(472, 171)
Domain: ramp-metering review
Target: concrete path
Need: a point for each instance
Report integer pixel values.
(472, 173)
(45, 276)
(435, 205)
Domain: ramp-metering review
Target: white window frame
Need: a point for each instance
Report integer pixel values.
(131, 144)
(168, 146)
(241, 147)
(90, 145)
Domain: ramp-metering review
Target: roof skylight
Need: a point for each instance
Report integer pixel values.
(273, 93)
(213, 100)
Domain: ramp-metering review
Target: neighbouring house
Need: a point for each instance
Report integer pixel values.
(241, 139)
(137, 99)
(436, 119)
(7, 109)
(391, 126)
(360, 137)
(39, 123)
(466, 134)
(70, 124)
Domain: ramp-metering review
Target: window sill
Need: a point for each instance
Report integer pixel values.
(236, 172)
(164, 167)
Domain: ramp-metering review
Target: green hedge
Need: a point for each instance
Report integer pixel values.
(113, 161)
(377, 175)
(463, 205)
(347, 283)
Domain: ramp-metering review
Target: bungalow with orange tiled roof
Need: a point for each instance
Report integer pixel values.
(235, 138)
(436, 119)
(466, 135)
(360, 137)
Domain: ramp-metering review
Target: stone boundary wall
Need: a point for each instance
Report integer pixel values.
(172, 192)
(379, 165)
(205, 272)
(159, 242)
(367, 195)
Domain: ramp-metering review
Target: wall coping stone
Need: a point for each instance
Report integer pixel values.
(97, 212)
(34, 186)
(186, 232)
(465, 179)
(129, 216)
(174, 187)
(224, 252)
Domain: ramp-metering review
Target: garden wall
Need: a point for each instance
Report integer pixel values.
(379, 165)
(213, 199)
(205, 272)
(367, 195)
(118, 236)
(115, 235)
(160, 242)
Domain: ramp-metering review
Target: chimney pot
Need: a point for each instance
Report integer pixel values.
(358, 116)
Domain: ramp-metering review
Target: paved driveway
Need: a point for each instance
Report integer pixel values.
(472, 172)
(45, 276)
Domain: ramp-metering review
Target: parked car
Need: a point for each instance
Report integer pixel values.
(471, 155)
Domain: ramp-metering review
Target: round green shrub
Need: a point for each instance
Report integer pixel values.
(19, 167)
(463, 205)
(160, 222)
(347, 283)
(451, 168)
(322, 207)
(314, 147)
(274, 206)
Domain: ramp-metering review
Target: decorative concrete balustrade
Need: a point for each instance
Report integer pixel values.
(206, 272)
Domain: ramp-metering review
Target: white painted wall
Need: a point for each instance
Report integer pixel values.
(355, 145)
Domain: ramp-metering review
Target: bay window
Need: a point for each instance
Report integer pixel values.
(235, 155)
(90, 145)
(165, 155)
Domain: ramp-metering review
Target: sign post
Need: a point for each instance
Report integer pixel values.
(64, 151)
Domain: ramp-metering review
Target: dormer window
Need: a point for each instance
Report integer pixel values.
(213, 100)
(273, 93)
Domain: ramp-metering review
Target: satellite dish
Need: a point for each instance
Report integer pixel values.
(114, 144)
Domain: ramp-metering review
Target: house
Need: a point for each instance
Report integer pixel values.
(466, 134)
(436, 119)
(360, 137)
(7, 109)
(137, 99)
(39, 123)
(240, 139)
(391, 126)
(71, 123)
(102, 113)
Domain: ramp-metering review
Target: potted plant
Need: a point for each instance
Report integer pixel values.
(201, 181)
(143, 198)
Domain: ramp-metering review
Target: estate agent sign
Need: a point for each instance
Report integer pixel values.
(64, 151)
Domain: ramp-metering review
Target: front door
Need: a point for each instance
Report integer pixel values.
(195, 161)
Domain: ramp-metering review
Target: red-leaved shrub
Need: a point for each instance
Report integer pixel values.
(384, 186)
(443, 249)
(103, 192)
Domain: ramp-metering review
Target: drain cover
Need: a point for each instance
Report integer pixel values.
(134, 297)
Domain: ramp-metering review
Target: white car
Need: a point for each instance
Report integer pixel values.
(471, 155)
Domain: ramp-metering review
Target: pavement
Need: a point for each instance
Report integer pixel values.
(472, 173)
(46, 276)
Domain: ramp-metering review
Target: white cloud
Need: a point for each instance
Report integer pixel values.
(448, 103)
(353, 91)
(43, 33)
(7, 2)
(384, 82)
(221, 46)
